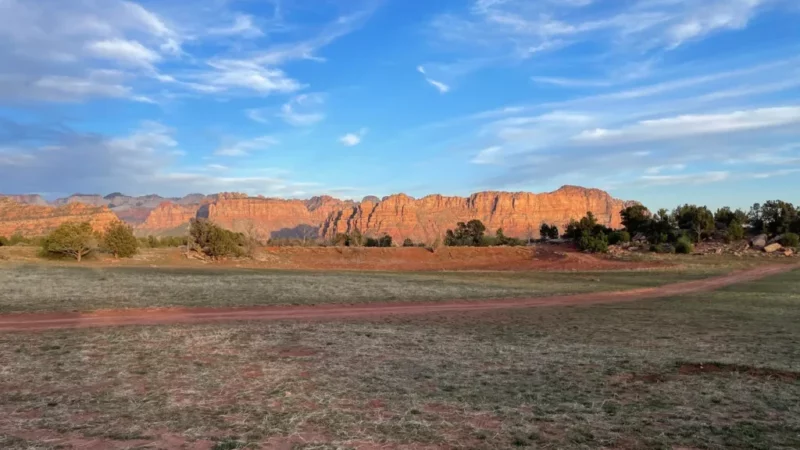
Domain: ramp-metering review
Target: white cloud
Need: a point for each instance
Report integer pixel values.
(665, 168)
(690, 179)
(441, 87)
(695, 124)
(302, 110)
(257, 115)
(353, 139)
(247, 74)
(487, 156)
(124, 51)
(242, 26)
(246, 147)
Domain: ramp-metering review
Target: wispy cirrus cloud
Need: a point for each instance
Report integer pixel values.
(247, 146)
(441, 87)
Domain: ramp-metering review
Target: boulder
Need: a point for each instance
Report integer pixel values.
(772, 248)
(759, 241)
(788, 252)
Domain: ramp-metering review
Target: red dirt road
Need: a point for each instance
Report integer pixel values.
(47, 321)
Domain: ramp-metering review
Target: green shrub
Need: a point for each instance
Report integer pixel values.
(684, 246)
(216, 241)
(735, 231)
(3, 241)
(662, 248)
(72, 239)
(408, 242)
(790, 240)
(593, 243)
(619, 237)
(120, 241)
(469, 234)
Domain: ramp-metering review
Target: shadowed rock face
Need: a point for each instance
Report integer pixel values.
(35, 220)
(519, 214)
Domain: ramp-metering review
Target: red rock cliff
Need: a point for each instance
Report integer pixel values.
(34, 220)
(422, 220)
(166, 218)
(518, 214)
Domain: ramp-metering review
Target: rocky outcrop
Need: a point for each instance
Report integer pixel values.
(35, 220)
(167, 218)
(518, 214)
(27, 199)
(422, 220)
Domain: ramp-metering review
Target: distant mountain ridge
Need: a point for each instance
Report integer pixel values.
(519, 214)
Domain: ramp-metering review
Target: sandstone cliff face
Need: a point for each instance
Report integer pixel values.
(166, 218)
(422, 220)
(33, 220)
(27, 199)
(267, 218)
(518, 214)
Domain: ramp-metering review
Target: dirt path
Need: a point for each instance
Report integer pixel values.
(46, 321)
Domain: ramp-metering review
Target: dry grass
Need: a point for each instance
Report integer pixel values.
(571, 377)
(64, 288)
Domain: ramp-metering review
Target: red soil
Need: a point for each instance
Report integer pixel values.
(46, 321)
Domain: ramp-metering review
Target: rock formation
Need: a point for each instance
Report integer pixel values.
(401, 216)
(422, 220)
(35, 220)
(518, 214)
(167, 218)
(27, 199)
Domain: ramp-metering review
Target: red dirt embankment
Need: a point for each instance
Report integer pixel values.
(23, 322)
(542, 257)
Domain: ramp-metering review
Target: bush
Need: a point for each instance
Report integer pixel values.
(619, 237)
(662, 248)
(120, 241)
(3, 241)
(684, 246)
(790, 240)
(216, 241)
(383, 241)
(593, 243)
(72, 239)
(735, 232)
(468, 234)
(408, 243)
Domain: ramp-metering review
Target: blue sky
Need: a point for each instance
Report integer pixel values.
(662, 101)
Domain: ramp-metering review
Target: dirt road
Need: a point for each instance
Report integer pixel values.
(46, 321)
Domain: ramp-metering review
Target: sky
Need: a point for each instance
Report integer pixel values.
(661, 101)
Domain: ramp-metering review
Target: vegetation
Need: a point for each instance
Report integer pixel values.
(713, 370)
(734, 231)
(697, 221)
(76, 288)
(790, 240)
(4, 241)
(636, 219)
(383, 241)
(548, 231)
(407, 242)
(71, 239)
(619, 237)
(684, 246)
(588, 235)
(120, 241)
(215, 241)
(468, 234)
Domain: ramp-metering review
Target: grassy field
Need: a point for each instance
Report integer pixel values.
(61, 288)
(713, 371)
